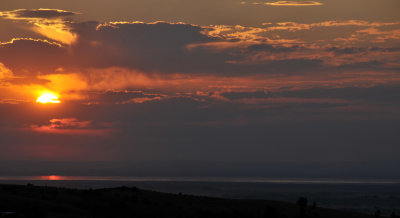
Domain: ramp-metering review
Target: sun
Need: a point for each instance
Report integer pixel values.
(48, 98)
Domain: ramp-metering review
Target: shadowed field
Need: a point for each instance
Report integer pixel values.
(40, 201)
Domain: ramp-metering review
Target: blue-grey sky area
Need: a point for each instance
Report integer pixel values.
(253, 82)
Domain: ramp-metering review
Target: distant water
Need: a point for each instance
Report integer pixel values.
(356, 195)
(200, 179)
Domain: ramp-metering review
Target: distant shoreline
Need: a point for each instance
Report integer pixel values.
(201, 179)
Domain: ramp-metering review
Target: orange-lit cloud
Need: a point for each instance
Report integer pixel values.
(294, 3)
(47, 22)
(286, 3)
(139, 90)
(4, 72)
(293, 26)
(56, 31)
(16, 40)
(206, 59)
(70, 126)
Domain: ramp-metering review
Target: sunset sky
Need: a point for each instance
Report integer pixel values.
(200, 80)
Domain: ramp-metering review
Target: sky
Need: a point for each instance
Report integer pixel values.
(185, 81)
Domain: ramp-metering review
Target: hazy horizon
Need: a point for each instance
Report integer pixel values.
(203, 171)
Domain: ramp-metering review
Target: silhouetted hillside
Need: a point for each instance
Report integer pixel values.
(36, 201)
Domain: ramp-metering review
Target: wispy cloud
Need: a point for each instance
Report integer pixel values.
(35, 13)
(294, 3)
(71, 126)
(286, 3)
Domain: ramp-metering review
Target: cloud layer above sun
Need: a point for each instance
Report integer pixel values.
(159, 89)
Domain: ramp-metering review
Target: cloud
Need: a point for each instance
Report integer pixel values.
(294, 26)
(56, 31)
(164, 129)
(115, 57)
(222, 50)
(294, 3)
(32, 56)
(71, 126)
(4, 72)
(137, 90)
(137, 45)
(68, 123)
(141, 100)
(286, 3)
(50, 23)
(35, 13)
(125, 96)
(356, 95)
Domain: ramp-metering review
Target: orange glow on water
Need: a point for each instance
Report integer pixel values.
(51, 177)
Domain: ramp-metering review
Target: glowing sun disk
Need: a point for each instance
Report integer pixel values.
(48, 98)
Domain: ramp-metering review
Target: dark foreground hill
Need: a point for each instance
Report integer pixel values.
(38, 201)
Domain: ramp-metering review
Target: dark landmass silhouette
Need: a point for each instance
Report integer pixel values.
(47, 202)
